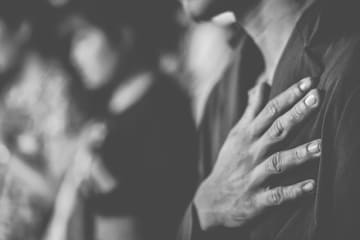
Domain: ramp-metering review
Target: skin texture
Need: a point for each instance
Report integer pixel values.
(236, 192)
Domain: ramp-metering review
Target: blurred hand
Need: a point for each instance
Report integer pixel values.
(236, 192)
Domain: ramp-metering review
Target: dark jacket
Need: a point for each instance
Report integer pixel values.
(150, 149)
(324, 45)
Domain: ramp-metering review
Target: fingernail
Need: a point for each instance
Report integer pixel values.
(305, 84)
(308, 187)
(314, 147)
(311, 100)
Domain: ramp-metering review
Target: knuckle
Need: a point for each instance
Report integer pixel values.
(273, 108)
(294, 193)
(277, 129)
(299, 154)
(275, 163)
(277, 196)
(279, 126)
(297, 113)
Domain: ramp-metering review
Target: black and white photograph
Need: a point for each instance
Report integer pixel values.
(179, 120)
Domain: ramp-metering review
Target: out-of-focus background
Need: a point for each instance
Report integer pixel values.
(99, 104)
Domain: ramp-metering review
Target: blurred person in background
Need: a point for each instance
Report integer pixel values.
(118, 51)
(26, 195)
(38, 142)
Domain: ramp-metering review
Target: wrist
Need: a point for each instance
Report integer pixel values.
(205, 213)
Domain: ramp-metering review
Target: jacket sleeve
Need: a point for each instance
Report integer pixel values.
(189, 228)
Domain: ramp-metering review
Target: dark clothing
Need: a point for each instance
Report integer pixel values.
(325, 47)
(150, 149)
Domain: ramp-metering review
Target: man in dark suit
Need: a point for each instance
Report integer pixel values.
(288, 40)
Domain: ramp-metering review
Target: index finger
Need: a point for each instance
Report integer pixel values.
(280, 104)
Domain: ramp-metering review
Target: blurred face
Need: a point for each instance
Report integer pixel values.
(93, 56)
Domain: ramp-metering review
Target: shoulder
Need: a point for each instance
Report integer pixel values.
(341, 77)
(342, 69)
(340, 82)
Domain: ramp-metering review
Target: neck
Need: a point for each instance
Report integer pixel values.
(270, 24)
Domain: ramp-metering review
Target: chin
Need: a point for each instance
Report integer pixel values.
(204, 10)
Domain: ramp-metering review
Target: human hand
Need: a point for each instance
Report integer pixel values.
(236, 192)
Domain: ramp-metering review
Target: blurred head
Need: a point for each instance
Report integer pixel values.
(95, 55)
(109, 34)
